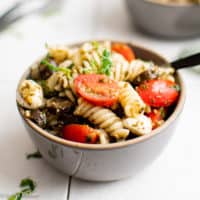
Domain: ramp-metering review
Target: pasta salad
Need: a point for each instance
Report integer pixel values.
(97, 93)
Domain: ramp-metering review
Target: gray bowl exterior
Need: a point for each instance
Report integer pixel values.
(106, 164)
(165, 20)
(101, 165)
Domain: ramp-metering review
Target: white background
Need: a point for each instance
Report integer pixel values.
(174, 175)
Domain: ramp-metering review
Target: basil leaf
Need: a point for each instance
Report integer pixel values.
(95, 44)
(106, 63)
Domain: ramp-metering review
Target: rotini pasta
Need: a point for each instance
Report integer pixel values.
(57, 81)
(98, 93)
(103, 118)
(58, 52)
(131, 102)
(124, 71)
(103, 137)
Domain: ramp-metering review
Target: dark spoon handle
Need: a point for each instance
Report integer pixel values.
(189, 61)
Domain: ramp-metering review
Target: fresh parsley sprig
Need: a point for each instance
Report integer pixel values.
(106, 63)
(65, 70)
(49, 65)
(95, 44)
(36, 154)
(27, 186)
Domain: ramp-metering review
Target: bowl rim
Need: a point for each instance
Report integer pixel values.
(84, 146)
(174, 5)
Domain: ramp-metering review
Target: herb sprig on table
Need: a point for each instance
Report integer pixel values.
(27, 186)
(36, 154)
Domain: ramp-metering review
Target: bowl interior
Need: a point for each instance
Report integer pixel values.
(142, 53)
(172, 4)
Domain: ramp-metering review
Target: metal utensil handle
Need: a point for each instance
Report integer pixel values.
(189, 61)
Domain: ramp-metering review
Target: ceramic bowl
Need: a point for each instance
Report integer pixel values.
(107, 162)
(168, 20)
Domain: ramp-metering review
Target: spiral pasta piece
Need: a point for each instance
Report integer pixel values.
(57, 81)
(58, 52)
(88, 58)
(103, 137)
(69, 94)
(136, 68)
(131, 102)
(103, 118)
(124, 71)
(119, 67)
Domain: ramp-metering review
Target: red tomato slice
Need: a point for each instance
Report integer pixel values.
(80, 133)
(97, 89)
(158, 93)
(157, 116)
(124, 50)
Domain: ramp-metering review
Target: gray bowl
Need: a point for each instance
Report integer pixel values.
(166, 20)
(106, 162)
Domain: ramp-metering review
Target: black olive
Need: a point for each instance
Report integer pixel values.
(131, 136)
(147, 75)
(45, 73)
(119, 111)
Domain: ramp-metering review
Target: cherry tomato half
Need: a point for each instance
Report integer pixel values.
(97, 89)
(80, 133)
(124, 50)
(158, 93)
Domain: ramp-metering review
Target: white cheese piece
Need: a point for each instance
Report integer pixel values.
(31, 94)
(140, 125)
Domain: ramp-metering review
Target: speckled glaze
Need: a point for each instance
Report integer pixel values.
(110, 161)
(166, 20)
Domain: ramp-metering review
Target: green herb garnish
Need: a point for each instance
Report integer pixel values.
(176, 87)
(93, 63)
(162, 112)
(87, 71)
(95, 44)
(49, 65)
(36, 154)
(106, 63)
(27, 186)
(17, 196)
(66, 71)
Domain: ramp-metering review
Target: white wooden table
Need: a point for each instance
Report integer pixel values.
(174, 175)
